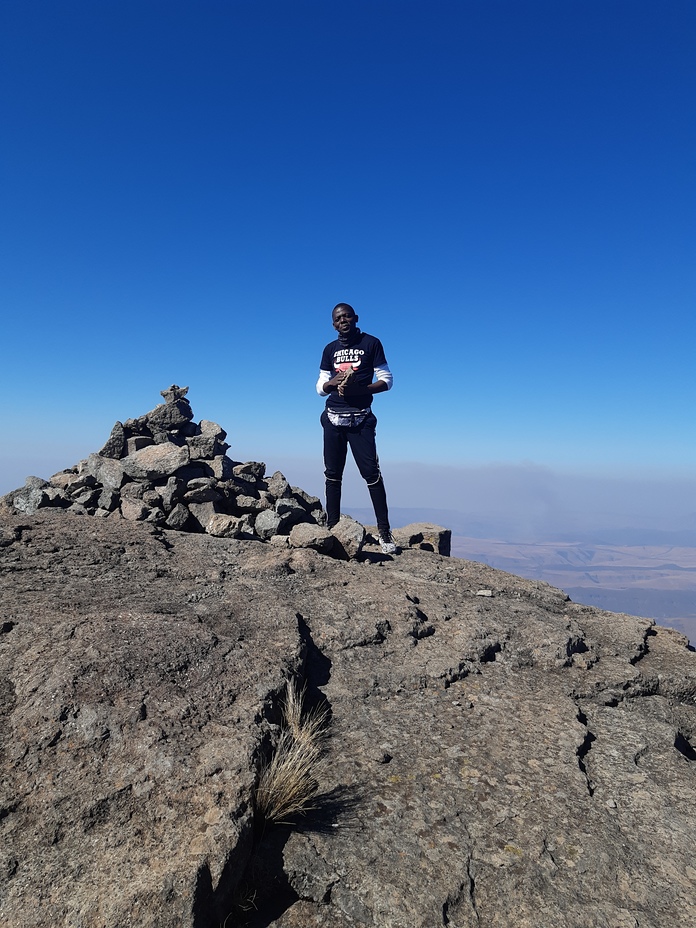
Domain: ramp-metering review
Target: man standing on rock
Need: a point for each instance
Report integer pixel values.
(353, 368)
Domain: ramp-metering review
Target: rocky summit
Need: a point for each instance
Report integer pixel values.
(165, 469)
(494, 755)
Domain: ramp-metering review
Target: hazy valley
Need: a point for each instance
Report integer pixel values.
(658, 581)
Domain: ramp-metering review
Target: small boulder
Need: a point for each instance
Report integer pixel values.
(178, 518)
(307, 535)
(108, 499)
(134, 490)
(135, 426)
(115, 445)
(174, 393)
(310, 503)
(170, 493)
(134, 510)
(62, 479)
(56, 497)
(155, 462)
(204, 447)
(252, 503)
(424, 535)
(246, 483)
(202, 495)
(224, 526)
(290, 511)
(202, 513)
(106, 471)
(212, 430)
(279, 541)
(221, 467)
(197, 482)
(256, 469)
(267, 524)
(78, 482)
(31, 496)
(349, 538)
(89, 498)
(278, 486)
(35, 483)
(152, 498)
(169, 417)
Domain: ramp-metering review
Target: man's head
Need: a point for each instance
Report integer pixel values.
(344, 318)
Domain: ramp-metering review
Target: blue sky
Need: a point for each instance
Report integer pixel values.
(505, 191)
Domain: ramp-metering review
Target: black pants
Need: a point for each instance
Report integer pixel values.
(361, 439)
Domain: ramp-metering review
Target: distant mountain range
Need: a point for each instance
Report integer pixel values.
(479, 525)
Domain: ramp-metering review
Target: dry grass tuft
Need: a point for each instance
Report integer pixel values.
(289, 782)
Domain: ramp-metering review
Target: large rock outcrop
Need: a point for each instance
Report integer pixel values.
(498, 755)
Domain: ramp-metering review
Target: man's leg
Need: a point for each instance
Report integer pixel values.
(364, 448)
(335, 450)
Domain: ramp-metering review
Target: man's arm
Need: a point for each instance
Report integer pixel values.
(383, 383)
(379, 386)
(383, 375)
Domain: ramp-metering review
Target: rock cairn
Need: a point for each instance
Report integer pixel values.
(166, 469)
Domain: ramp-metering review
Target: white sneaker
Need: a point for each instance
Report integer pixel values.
(386, 543)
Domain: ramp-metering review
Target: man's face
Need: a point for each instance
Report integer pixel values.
(344, 321)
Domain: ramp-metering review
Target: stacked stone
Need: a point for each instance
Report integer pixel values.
(166, 469)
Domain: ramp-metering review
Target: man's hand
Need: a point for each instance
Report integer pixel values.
(338, 381)
(344, 385)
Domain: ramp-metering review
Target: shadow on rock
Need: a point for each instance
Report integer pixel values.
(264, 893)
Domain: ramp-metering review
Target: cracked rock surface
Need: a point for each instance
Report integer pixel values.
(508, 759)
